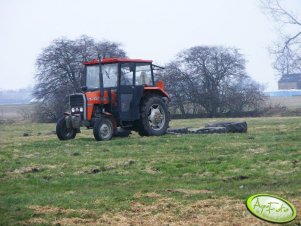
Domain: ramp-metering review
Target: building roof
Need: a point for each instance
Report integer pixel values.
(116, 60)
(284, 93)
(290, 78)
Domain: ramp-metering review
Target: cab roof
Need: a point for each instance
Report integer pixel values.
(116, 60)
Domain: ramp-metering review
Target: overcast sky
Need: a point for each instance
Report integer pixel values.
(154, 29)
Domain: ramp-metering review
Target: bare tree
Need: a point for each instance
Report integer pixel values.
(288, 49)
(206, 78)
(59, 67)
(176, 85)
(242, 95)
(210, 67)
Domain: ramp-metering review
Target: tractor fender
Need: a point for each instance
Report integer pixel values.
(156, 90)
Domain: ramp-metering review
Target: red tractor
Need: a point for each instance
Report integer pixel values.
(117, 93)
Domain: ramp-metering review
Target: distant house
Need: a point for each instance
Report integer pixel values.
(290, 81)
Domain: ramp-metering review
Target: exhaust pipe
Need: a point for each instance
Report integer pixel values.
(100, 79)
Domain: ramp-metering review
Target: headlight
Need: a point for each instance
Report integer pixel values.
(81, 109)
(72, 109)
(76, 109)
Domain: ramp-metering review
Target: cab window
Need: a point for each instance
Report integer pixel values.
(127, 74)
(143, 74)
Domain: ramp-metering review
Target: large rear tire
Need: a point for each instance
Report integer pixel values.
(103, 129)
(154, 117)
(62, 132)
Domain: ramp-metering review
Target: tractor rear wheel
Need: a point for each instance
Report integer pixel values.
(103, 129)
(154, 117)
(62, 132)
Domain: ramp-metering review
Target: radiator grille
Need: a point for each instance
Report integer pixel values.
(76, 100)
(78, 105)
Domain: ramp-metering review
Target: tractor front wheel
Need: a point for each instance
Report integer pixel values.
(154, 117)
(62, 132)
(103, 129)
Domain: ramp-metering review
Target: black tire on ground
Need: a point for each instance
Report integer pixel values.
(178, 130)
(62, 132)
(234, 127)
(154, 118)
(121, 132)
(209, 130)
(103, 129)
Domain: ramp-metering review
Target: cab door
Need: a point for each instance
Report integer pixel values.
(129, 94)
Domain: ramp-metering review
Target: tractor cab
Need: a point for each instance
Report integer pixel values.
(116, 90)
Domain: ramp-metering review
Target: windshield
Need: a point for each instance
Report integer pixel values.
(109, 72)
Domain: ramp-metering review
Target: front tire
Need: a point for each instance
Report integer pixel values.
(62, 132)
(103, 129)
(154, 117)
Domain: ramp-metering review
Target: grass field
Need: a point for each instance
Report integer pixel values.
(171, 180)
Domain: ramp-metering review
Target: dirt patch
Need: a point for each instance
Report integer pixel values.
(189, 191)
(101, 169)
(279, 172)
(128, 163)
(235, 178)
(151, 170)
(33, 169)
(50, 210)
(87, 217)
(164, 211)
(75, 221)
(148, 195)
(283, 167)
(57, 211)
(205, 174)
(297, 203)
(35, 221)
(223, 211)
(28, 169)
(257, 150)
(54, 166)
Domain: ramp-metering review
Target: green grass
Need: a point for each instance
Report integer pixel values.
(108, 177)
